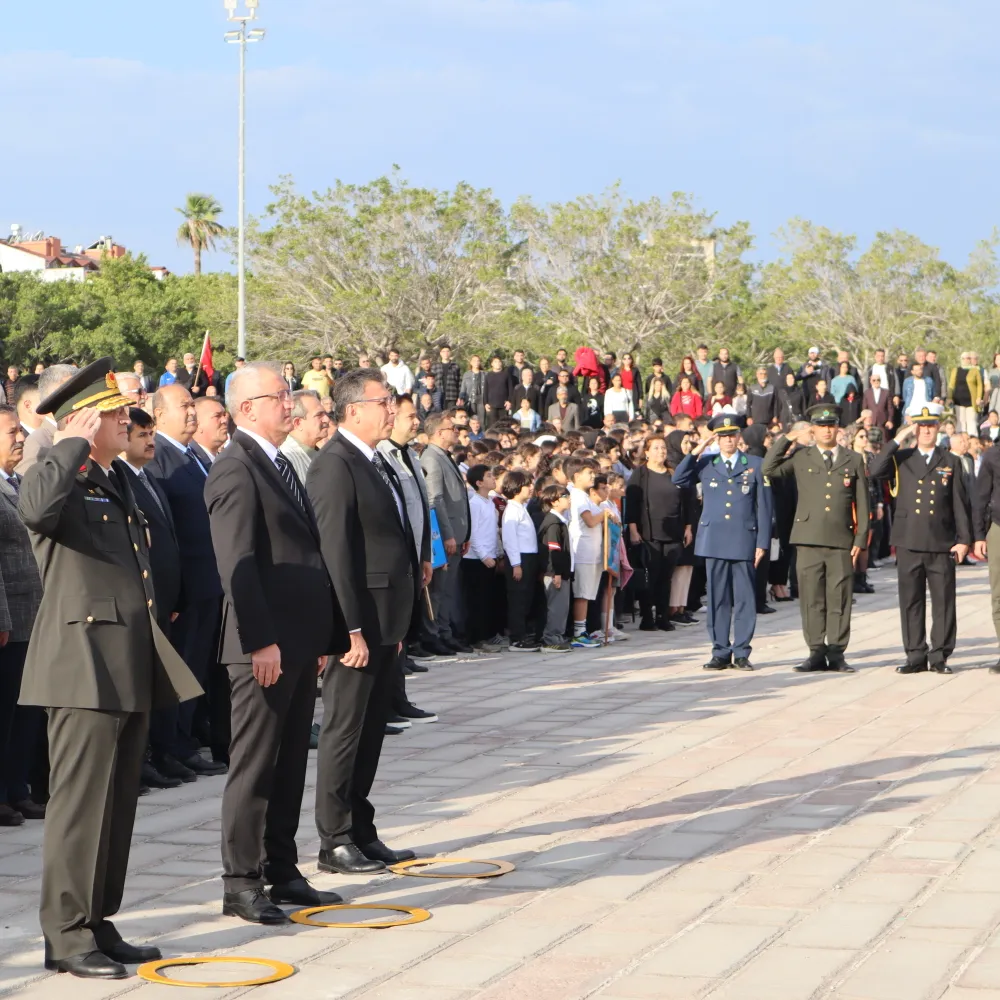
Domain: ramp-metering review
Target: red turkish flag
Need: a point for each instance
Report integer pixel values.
(206, 356)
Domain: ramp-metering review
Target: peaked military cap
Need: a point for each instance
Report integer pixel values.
(824, 414)
(94, 386)
(928, 414)
(726, 423)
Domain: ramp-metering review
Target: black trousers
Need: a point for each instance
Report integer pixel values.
(96, 759)
(661, 558)
(355, 708)
(479, 585)
(919, 572)
(525, 600)
(19, 726)
(195, 636)
(267, 775)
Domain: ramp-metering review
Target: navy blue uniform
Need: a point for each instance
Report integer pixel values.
(735, 521)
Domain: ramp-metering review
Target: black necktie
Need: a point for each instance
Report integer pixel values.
(144, 479)
(384, 473)
(288, 474)
(15, 483)
(197, 461)
(828, 459)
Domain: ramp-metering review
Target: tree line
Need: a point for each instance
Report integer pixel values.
(386, 264)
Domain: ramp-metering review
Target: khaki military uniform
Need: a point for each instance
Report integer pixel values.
(831, 517)
(99, 663)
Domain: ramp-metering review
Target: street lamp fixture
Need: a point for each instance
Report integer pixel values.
(241, 37)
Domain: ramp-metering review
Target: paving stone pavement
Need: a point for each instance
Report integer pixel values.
(677, 834)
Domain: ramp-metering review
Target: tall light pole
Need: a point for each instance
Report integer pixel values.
(240, 38)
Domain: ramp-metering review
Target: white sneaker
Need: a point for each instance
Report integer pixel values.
(598, 635)
(618, 635)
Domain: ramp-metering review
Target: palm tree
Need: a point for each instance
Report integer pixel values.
(200, 227)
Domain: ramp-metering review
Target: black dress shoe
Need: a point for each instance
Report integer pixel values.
(377, 851)
(144, 790)
(937, 668)
(419, 651)
(199, 765)
(765, 609)
(815, 661)
(9, 816)
(417, 668)
(314, 736)
(132, 954)
(152, 778)
(347, 859)
(912, 668)
(171, 767)
(458, 647)
(665, 626)
(394, 730)
(254, 906)
(299, 892)
(647, 625)
(436, 648)
(29, 809)
(717, 663)
(836, 663)
(91, 965)
(742, 663)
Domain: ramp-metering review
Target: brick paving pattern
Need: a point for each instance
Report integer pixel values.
(677, 834)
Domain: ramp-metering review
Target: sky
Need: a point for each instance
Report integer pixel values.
(864, 115)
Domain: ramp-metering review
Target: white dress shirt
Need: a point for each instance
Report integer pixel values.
(518, 532)
(483, 534)
(267, 447)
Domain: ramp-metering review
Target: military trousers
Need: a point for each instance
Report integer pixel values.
(919, 572)
(826, 584)
(96, 760)
(732, 606)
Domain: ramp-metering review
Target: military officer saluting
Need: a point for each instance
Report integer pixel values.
(931, 530)
(830, 529)
(734, 533)
(98, 663)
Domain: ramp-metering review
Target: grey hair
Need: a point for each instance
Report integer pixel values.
(235, 396)
(53, 377)
(299, 398)
(350, 388)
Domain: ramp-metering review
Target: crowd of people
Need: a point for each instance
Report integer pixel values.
(542, 505)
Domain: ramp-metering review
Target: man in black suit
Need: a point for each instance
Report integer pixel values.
(195, 633)
(280, 623)
(146, 382)
(368, 547)
(165, 559)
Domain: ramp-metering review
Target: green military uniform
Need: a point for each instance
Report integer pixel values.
(831, 517)
(98, 662)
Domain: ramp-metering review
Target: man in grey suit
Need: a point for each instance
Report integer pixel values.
(448, 497)
(41, 439)
(20, 595)
(567, 413)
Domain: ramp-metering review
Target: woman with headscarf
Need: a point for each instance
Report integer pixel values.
(755, 438)
(791, 402)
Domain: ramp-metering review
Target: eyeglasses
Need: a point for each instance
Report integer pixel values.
(282, 396)
(387, 401)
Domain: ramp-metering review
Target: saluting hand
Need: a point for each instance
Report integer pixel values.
(702, 445)
(81, 424)
(266, 664)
